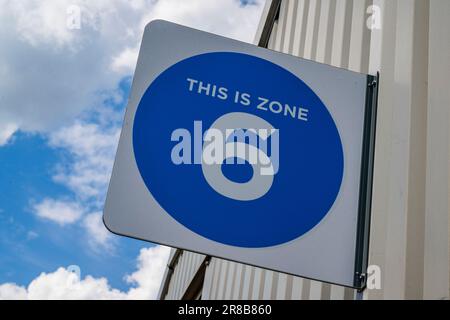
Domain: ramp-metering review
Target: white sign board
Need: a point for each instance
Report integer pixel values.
(243, 153)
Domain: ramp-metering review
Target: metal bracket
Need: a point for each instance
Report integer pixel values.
(365, 193)
(362, 280)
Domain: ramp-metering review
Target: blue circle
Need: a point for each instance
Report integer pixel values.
(311, 161)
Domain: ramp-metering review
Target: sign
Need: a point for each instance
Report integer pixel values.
(243, 153)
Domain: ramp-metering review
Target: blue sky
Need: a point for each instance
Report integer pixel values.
(63, 91)
(30, 245)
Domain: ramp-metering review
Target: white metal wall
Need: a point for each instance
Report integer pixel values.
(233, 281)
(185, 267)
(410, 216)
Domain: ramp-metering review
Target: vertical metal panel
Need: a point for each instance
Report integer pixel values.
(281, 26)
(398, 202)
(339, 35)
(290, 25)
(315, 291)
(229, 281)
(281, 288)
(297, 288)
(359, 38)
(237, 281)
(398, 197)
(337, 293)
(324, 30)
(255, 284)
(182, 274)
(268, 285)
(382, 55)
(437, 222)
(273, 35)
(246, 283)
(311, 24)
(410, 210)
(175, 285)
(417, 167)
(299, 32)
(208, 281)
(222, 280)
(217, 274)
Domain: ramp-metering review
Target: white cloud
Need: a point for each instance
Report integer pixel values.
(147, 279)
(10, 291)
(60, 212)
(126, 60)
(99, 237)
(92, 148)
(6, 132)
(86, 172)
(31, 235)
(239, 22)
(228, 18)
(63, 284)
(49, 73)
(42, 22)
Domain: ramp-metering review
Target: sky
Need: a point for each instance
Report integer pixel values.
(66, 68)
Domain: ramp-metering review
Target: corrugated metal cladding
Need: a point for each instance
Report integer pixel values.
(410, 46)
(184, 270)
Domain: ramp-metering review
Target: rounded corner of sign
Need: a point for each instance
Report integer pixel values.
(107, 223)
(155, 23)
